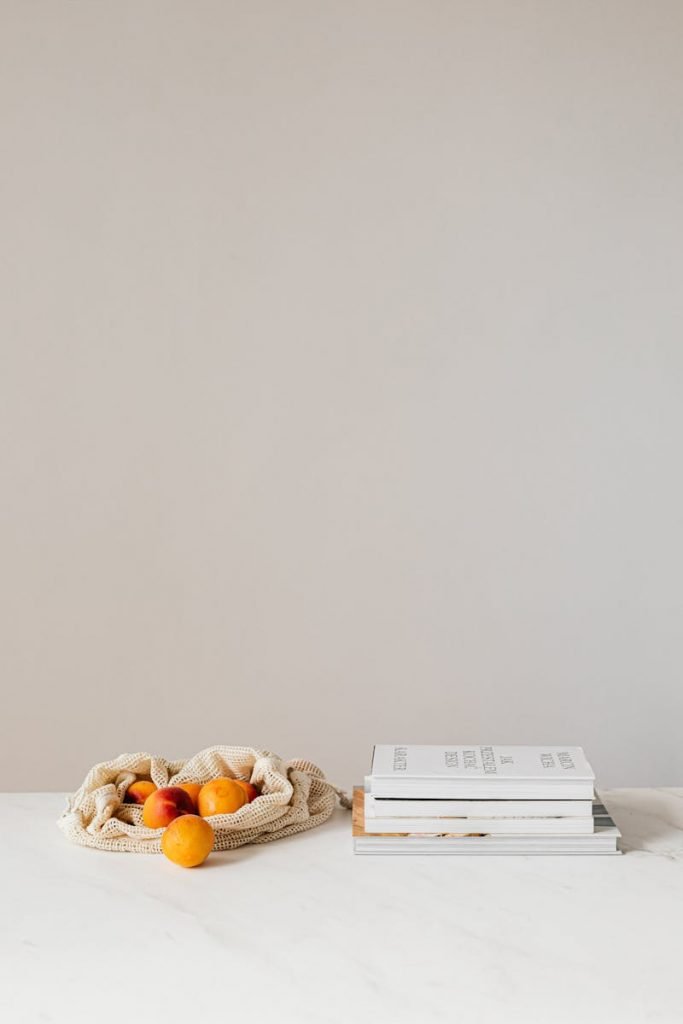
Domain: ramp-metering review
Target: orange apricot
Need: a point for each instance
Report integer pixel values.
(193, 789)
(221, 796)
(188, 840)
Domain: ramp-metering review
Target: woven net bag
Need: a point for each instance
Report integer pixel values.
(295, 796)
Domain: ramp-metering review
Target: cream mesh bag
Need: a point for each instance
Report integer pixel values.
(295, 796)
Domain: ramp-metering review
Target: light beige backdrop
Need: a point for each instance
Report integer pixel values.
(341, 368)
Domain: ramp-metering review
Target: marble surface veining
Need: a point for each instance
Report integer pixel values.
(302, 931)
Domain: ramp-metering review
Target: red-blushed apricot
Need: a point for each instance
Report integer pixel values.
(251, 790)
(166, 804)
(138, 792)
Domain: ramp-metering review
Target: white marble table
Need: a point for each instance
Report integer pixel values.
(301, 931)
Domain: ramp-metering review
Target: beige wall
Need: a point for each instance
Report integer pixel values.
(341, 368)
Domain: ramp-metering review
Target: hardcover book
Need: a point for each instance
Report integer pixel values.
(480, 772)
(478, 823)
(392, 808)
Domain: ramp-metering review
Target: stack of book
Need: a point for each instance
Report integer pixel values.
(481, 800)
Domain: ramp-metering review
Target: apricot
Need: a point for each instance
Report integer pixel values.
(162, 806)
(251, 791)
(188, 840)
(193, 789)
(221, 796)
(138, 792)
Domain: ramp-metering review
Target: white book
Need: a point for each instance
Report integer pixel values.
(393, 808)
(480, 772)
(481, 826)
